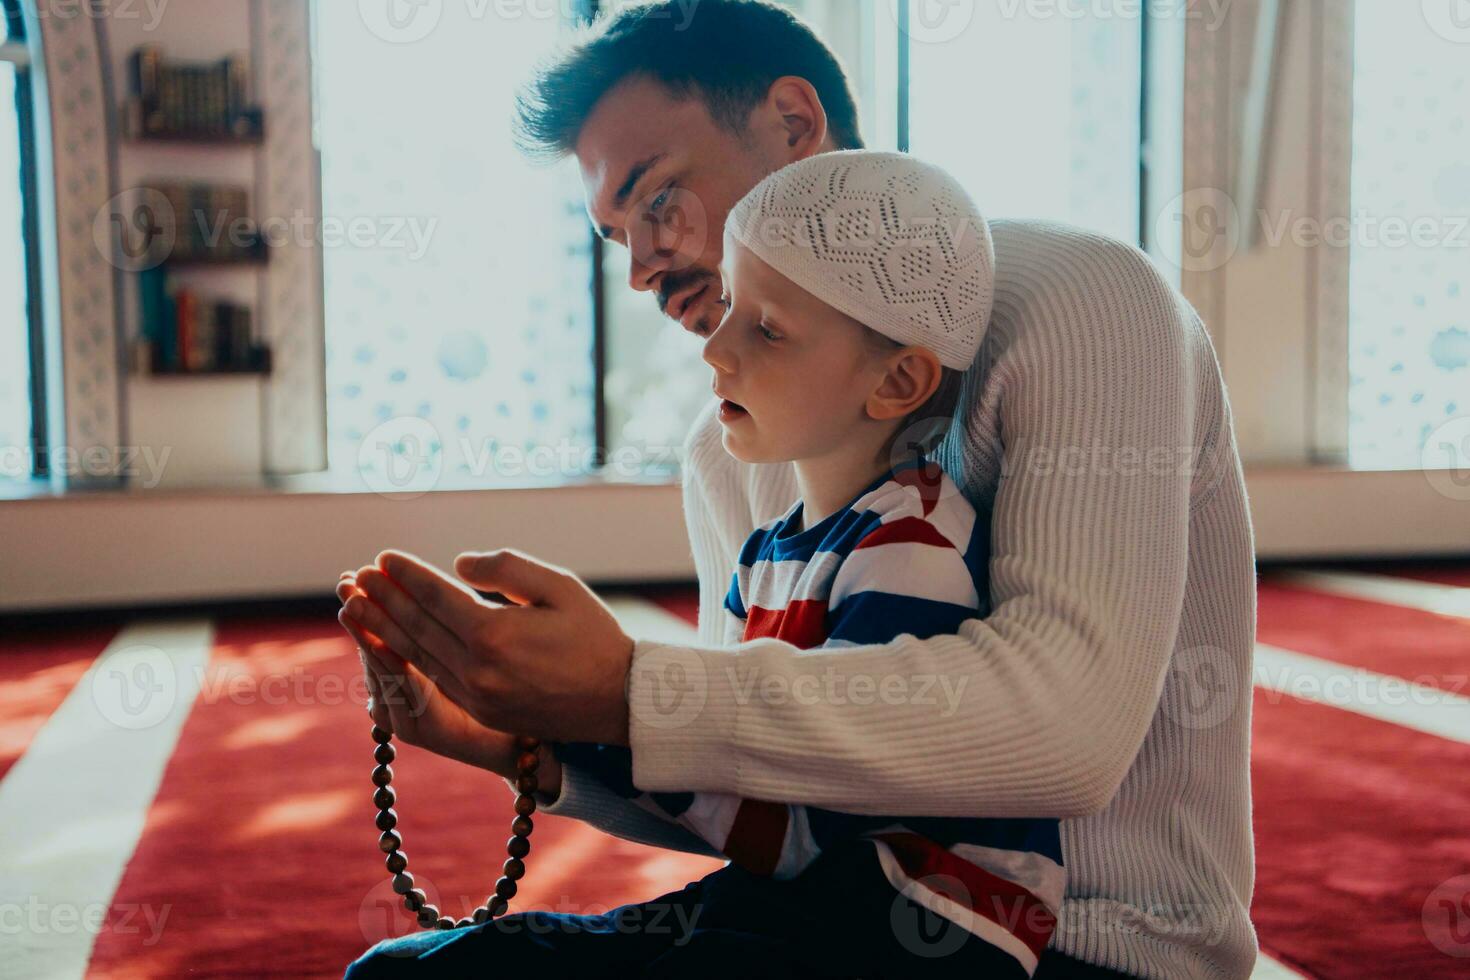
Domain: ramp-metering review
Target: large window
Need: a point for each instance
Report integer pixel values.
(1409, 286)
(16, 418)
(483, 339)
(459, 316)
(1035, 108)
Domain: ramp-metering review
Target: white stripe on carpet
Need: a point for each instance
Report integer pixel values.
(1447, 600)
(1269, 969)
(1363, 692)
(650, 621)
(73, 806)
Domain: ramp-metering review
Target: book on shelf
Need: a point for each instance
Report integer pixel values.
(202, 223)
(184, 331)
(186, 323)
(190, 99)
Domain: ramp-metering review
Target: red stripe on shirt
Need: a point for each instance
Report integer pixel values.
(757, 835)
(803, 623)
(998, 899)
(905, 530)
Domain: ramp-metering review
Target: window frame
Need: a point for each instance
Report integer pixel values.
(16, 52)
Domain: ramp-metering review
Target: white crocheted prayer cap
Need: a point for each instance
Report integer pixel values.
(892, 241)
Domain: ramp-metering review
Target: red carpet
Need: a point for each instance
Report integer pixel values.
(1357, 822)
(1412, 644)
(260, 851)
(261, 845)
(39, 669)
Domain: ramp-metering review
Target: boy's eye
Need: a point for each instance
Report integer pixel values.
(768, 334)
(724, 300)
(658, 202)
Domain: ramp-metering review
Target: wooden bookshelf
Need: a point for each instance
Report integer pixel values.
(198, 138)
(258, 257)
(251, 133)
(209, 373)
(260, 365)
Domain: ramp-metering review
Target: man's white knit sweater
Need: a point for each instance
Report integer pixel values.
(1110, 683)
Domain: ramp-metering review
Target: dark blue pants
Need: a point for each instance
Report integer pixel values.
(840, 918)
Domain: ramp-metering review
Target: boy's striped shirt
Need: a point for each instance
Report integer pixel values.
(908, 556)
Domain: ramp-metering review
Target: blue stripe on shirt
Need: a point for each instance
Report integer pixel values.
(879, 617)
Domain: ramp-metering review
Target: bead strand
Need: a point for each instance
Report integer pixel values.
(390, 842)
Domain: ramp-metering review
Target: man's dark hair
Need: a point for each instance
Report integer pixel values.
(725, 52)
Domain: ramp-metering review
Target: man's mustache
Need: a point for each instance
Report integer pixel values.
(674, 283)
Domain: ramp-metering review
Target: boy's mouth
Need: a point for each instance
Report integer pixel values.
(730, 410)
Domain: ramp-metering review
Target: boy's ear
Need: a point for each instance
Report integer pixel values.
(913, 376)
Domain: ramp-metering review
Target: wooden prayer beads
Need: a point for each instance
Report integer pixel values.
(391, 843)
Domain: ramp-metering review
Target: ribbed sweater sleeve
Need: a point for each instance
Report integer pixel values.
(584, 797)
(1089, 545)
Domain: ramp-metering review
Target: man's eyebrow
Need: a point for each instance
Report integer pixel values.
(635, 174)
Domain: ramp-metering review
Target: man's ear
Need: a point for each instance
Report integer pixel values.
(912, 378)
(794, 106)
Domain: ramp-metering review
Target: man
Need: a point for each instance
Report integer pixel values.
(1110, 683)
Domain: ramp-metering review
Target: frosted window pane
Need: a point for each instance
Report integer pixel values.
(15, 404)
(471, 307)
(1409, 321)
(1038, 116)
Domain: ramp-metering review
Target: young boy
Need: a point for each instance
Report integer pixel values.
(858, 292)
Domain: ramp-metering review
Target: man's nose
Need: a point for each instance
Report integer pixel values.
(641, 277)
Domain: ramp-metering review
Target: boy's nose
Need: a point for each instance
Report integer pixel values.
(717, 353)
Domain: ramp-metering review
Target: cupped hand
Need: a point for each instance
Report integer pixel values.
(553, 663)
(404, 701)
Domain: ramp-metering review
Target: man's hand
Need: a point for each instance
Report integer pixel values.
(552, 664)
(405, 702)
